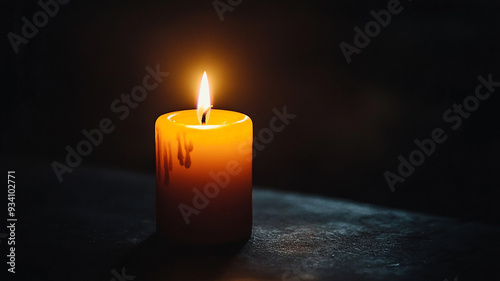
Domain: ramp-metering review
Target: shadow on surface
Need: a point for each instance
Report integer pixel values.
(159, 259)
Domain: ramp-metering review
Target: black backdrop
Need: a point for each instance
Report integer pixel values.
(353, 119)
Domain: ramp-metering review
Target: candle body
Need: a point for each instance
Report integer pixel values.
(204, 177)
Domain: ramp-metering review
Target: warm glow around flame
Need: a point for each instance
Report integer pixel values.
(204, 103)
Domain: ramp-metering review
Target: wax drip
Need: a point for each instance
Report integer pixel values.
(188, 149)
(184, 159)
(180, 156)
(170, 156)
(167, 168)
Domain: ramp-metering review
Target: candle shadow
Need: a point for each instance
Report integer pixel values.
(160, 259)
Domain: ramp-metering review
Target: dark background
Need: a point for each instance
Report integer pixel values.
(353, 120)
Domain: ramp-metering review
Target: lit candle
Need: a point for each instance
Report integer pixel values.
(204, 174)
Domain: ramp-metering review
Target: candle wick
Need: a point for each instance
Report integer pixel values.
(204, 116)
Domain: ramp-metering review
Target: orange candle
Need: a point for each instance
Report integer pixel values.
(204, 174)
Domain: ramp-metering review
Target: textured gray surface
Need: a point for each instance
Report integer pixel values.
(100, 220)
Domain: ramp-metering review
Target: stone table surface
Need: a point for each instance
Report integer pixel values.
(99, 224)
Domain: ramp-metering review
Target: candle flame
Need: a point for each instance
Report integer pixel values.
(204, 103)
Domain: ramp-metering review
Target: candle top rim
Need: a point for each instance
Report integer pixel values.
(218, 118)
